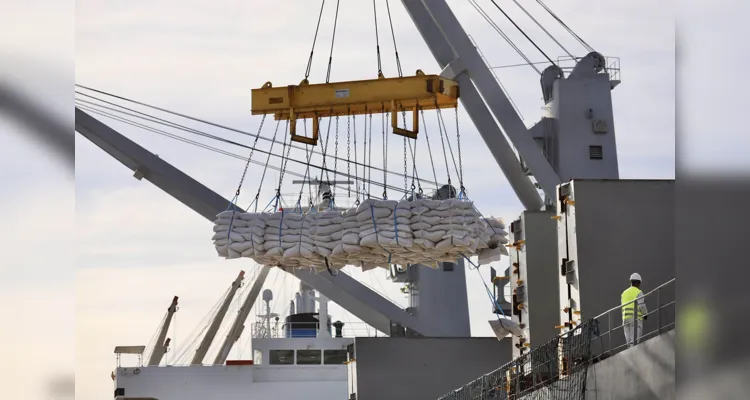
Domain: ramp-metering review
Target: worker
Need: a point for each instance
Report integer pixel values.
(630, 297)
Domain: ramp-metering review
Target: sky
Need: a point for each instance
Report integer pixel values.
(136, 247)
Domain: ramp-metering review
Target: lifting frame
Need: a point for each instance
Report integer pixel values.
(414, 93)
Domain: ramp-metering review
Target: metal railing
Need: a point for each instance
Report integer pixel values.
(610, 338)
(555, 370)
(281, 330)
(612, 66)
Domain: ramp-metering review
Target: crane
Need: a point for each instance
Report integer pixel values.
(162, 343)
(576, 140)
(216, 322)
(239, 322)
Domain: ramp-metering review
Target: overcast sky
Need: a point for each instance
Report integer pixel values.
(137, 247)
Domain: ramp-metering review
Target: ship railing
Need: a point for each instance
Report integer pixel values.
(659, 318)
(612, 66)
(308, 329)
(557, 369)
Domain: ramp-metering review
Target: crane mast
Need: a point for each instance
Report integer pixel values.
(200, 354)
(162, 342)
(239, 323)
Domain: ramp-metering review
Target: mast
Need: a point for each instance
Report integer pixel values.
(216, 323)
(162, 342)
(239, 323)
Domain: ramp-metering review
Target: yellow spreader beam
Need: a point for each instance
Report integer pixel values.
(374, 96)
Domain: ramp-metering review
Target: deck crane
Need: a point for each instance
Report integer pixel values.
(200, 353)
(575, 140)
(239, 322)
(162, 342)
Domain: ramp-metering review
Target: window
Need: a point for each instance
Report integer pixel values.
(281, 357)
(596, 153)
(334, 356)
(308, 357)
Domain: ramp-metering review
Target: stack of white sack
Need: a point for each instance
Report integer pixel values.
(450, 229)
(377, 233)
(245, 238)
(385, 235)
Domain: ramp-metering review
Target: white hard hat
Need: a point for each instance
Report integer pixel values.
(635, 277)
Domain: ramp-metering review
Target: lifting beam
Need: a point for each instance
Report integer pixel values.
(373, 96)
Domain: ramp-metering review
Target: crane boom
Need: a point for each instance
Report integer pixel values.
(360, 300)
(454, 51)
(239, 323)
(200, 354)
(162, 342)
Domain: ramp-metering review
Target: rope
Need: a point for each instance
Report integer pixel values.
(564, 25)
(315, 39)
(393, 35)
(489, 292)
(522, 32)
(265, 167)
(325, 141)
(164, 122)
(377, 39)
(497, 29)
(377, 238)
(333, 37)
(448, 142)
(544, 30)
(442, 142)
(284, 158)
(429, 149)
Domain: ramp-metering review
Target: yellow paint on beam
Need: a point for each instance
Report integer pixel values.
(373, 96)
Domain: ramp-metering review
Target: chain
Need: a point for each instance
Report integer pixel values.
(460, 163)
(356, 169)
(252, 150)
(406, 170)
(385, 158)
(369, 160)
(284, 161)
(335, 159)
(348, 154)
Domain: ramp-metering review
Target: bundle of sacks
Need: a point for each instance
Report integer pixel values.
(376, 233)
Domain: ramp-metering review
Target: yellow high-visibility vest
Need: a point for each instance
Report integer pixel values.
(630, 294)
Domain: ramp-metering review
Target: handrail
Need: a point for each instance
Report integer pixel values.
(663, 322)
(633, 301)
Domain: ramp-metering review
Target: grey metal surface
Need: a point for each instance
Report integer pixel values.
(539, 272)
(422, 368)
(644, 372)
(579, 103)
(615, 228)
(443, 302)
(470, 98)
(364, 303)
(147, 165)
(341, 289)
(498, 103)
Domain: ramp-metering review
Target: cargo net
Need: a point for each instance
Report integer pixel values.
(554, 371)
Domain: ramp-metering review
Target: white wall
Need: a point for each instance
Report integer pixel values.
(235, 382)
